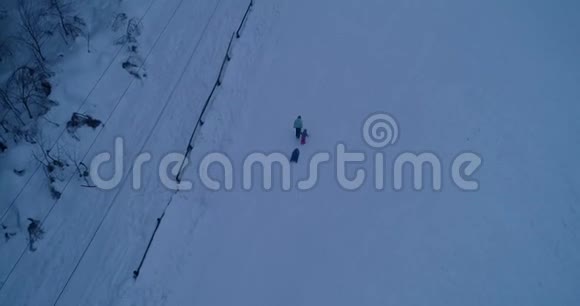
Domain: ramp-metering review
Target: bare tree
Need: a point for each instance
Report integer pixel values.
(71, 25)
(82, 169)
(10, 118)
(53, 165)
(30, 88)
(5, 103)
(33, 24)
(60, 8)
(24, 100)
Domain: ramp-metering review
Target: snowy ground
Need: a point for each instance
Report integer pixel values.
(497, 78)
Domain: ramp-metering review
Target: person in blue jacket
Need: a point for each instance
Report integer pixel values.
(295, 156)
(298, 126)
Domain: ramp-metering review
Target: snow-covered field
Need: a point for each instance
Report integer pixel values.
(498, 78)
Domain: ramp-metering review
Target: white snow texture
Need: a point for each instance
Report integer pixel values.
(500, 78)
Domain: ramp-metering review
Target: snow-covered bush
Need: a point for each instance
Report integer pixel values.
(134, 63)
(132, 31)
(35, 233)
(119, 22)
(79, 120)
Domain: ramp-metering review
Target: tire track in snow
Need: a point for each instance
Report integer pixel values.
(250, 48)
(142, 147)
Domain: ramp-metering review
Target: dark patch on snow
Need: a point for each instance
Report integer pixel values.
(35, 233)
(79, 120)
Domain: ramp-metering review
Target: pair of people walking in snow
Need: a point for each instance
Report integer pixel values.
(300, 134)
